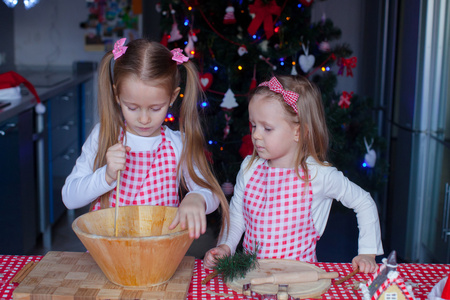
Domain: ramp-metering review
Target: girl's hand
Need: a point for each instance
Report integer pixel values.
(115, 161)
(365, 262)
(191, 215)
(209, 261)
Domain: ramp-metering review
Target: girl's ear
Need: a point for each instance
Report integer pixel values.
(174, 95)
(297, 133)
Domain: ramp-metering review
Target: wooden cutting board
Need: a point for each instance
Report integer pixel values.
(75, 275)
(268, 267)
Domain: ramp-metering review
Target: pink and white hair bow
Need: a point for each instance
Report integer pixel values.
(119, 48)
(288, 96)
(178, 56)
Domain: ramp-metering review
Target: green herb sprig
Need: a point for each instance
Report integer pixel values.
(236, 266)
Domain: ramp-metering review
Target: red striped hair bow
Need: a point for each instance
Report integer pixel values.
(289, 97)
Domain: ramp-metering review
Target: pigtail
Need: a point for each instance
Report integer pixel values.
(110, 118)
(193, 153)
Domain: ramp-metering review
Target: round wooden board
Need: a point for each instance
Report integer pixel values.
(268, 267)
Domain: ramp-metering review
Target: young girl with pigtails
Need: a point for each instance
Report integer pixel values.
(284, 191)
(138, 82)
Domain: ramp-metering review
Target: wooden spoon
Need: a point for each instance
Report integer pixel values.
(116, 210)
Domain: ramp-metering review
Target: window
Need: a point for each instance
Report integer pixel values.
(391, 296)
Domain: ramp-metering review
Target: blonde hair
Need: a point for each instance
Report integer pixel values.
(313, 129)
(151, 62)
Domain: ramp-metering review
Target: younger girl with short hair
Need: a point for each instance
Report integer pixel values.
(284, 191)
(137, 85)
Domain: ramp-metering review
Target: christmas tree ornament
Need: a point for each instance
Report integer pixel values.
(306, 3)
(209, 156)
(246, 146)
(294, 69)
(253, 81)
(252, 84)
(229, 101)
(267, 60)
(165, 39)
(344, 100)
(324, 46)
(242, 50)
(263, 15)
(227, 188)
(306, 61)
(158, 7)
(190, 47)
(371, 156)
(206, 80)
(324, 18)
(175, 34)
(264, 46)
(348, 63)
(193, 33)
(229, 15)
(240, 36)
(226, 130)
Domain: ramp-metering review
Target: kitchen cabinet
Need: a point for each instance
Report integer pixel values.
(38, 152)
(88, 111)
(69, 118)
(18, 201)
(63, 145)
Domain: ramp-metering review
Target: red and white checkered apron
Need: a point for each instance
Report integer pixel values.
(277, 214)
(150, 178)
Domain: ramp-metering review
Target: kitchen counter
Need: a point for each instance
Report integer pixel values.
(47, 84)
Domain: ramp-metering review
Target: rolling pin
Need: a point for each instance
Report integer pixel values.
(294, 277)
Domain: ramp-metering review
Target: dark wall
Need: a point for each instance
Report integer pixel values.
(151, 20)
(7, 37)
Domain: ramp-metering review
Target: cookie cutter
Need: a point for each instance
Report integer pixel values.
(282, 293)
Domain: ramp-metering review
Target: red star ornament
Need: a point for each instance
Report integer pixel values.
(263, 14)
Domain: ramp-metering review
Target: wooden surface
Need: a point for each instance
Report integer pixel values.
(269, 267)
(75, 275)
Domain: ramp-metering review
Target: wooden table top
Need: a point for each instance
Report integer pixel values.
(422, 277)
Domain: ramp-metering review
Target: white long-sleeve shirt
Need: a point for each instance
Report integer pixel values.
(327, 183)
(83, 185)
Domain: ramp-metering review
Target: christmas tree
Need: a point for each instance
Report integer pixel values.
(238, 43)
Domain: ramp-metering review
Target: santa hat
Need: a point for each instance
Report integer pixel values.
(9, 89)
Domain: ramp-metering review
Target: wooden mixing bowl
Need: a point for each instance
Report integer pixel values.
(145, 252)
